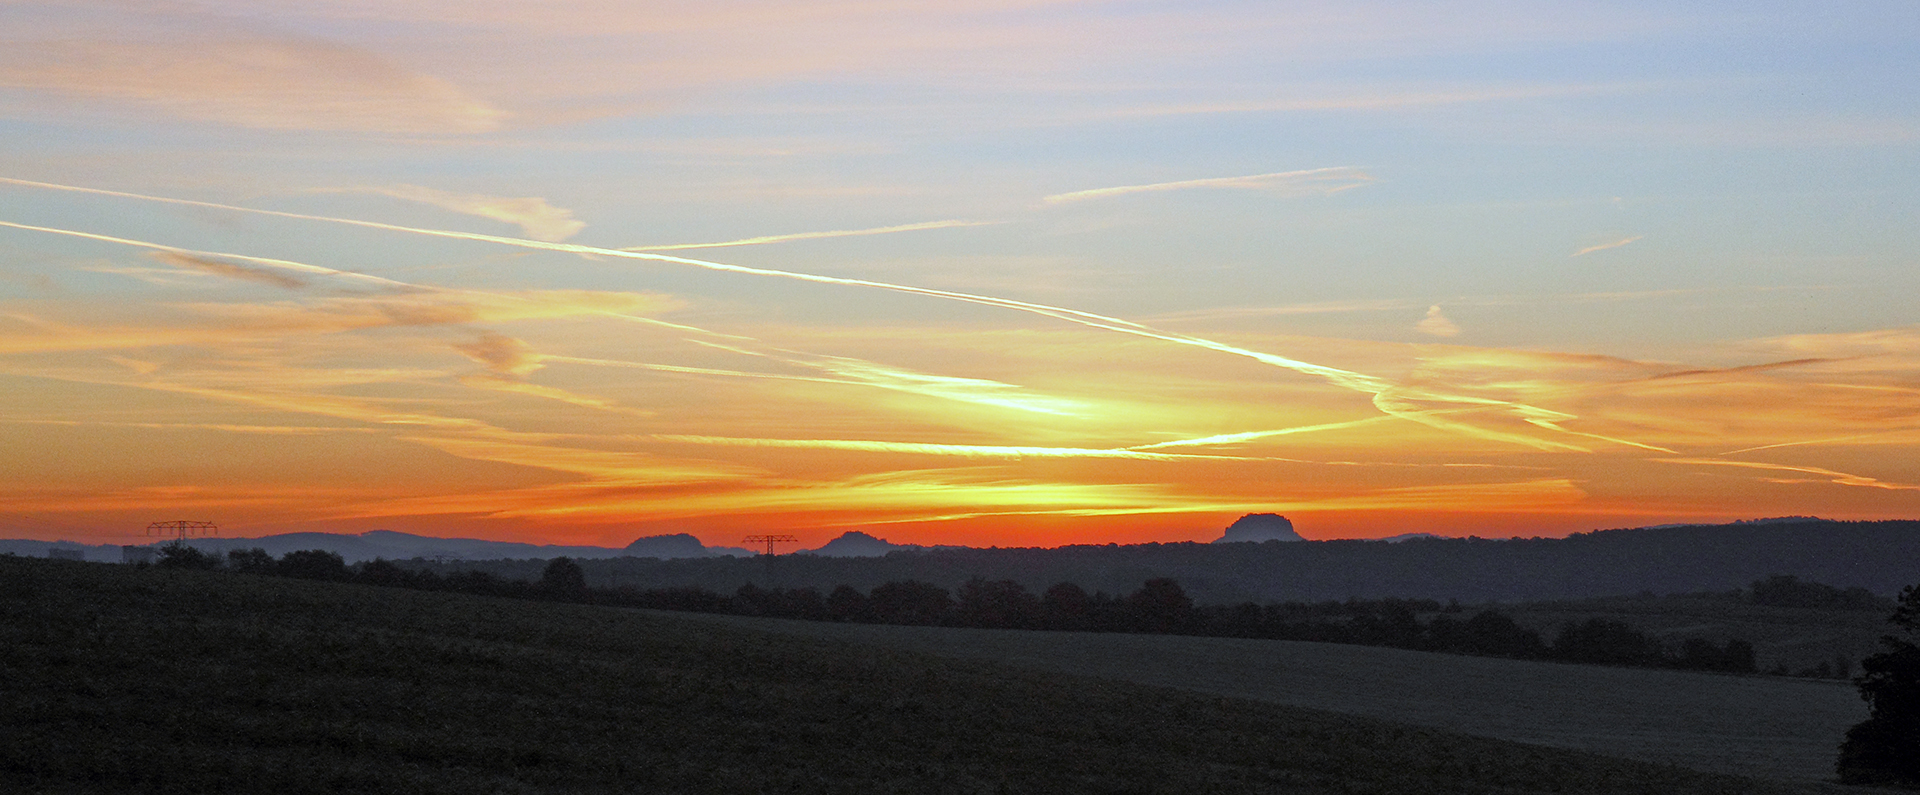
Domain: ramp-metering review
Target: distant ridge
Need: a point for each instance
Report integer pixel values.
(855, 544)
(1879, 556)
(394, 545)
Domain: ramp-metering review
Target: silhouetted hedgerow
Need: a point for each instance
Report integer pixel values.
(1160, 606)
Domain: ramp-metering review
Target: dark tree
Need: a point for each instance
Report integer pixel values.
(910, 602)
(177, 555)
(1884, 749)
(846, 603)
(1066, 606)
(1786, 590)
(1161, 607)
(250, 561)
(380, 571)
(312, 564)
(563, 577)
(1001, 604)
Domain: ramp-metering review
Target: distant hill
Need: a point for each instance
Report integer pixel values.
(855, 544)
(403, 546)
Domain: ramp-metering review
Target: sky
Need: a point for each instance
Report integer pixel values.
(1009, 272)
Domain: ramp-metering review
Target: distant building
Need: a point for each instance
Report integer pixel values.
(133, 554)
(66, 553)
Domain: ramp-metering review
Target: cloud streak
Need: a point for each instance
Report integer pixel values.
(1402, 401)
(256, 82)
(1604, 246)
(536, 218)
(1313, 180)
(766, 239)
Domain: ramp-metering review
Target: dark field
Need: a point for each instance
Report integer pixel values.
(1773, 727)
(114, 679)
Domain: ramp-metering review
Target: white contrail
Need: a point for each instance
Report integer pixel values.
(1388, 398)
(1604, 246)
(1276, 179)
(765, 239)
(188, 252)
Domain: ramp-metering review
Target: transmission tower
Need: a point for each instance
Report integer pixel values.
(182, 530)
(770, 541)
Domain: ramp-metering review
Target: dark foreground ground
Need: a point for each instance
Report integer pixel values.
(1765, 726)
(115, 679)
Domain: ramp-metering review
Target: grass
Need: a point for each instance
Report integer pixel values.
(115, 679)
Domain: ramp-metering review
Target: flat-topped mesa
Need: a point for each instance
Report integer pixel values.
(676, 545)
(1257, 527)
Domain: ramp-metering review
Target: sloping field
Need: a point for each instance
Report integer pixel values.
(122, 680)
(1749, 725)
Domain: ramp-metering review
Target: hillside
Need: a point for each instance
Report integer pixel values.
(123, 679)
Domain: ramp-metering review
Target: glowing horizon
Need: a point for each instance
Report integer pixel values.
(329, 269)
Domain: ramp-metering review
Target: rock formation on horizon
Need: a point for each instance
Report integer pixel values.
(855, 544)
(1257, 527)
(675, 545)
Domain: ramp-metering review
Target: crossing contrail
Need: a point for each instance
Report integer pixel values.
(1388, 398)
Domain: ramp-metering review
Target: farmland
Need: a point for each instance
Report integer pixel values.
(118, 679)
(1753, 725)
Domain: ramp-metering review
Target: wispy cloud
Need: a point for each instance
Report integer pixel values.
(259, 82)
(1313, 180)
(536, 218)
(1372, 100)
(502, 354)
(1604, 246)
(1415, 403)
(1437, 324)
(232, 270)
(926, 448)
(1824, 475)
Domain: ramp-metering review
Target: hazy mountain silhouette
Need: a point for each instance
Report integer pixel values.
(1258, 527)
(855, 544)
(677, 545)
(394, 545)
(1878, 556)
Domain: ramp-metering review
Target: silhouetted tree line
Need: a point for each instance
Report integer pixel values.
(1160, 606)
(1884, 749)
(1786, 590)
